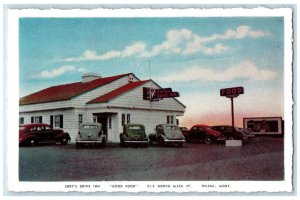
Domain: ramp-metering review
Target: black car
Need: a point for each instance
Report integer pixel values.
(235, 134)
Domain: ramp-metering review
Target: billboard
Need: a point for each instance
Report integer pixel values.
(264, 125)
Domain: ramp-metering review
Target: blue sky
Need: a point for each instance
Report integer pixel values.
(195, 56)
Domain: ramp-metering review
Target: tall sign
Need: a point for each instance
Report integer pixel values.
(158, 94)
(232, 93)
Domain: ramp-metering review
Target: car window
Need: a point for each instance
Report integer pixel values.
(171, 127)
(47, 128)
(135, 128)
(39, 128)
(21, 128)
(90, 127)
(194, 128)
(32, 129)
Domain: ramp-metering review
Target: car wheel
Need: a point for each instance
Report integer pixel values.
(207, 140)
(103, 142)
(33, 142)
(64, 141)
(230, 138)
(179, 144)
(161, 142)
(78, 145)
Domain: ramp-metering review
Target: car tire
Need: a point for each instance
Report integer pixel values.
(230, 138)
(78, 145)
(64, 141)
(33, 142)
(208, 140)
(161, 142)
(179, 145)
(103, 142)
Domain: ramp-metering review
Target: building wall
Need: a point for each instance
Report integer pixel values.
(70, 119)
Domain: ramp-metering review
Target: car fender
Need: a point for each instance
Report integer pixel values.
(28, 138)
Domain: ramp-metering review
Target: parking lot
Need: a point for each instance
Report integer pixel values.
(262, 158)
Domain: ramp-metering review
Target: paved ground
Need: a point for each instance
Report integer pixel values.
(259, 159)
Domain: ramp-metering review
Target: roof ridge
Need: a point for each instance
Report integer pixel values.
(117, 92)
(67, 91)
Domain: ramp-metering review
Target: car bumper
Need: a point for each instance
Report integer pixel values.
(89, 142)
(174, 141)
(136, 142)
(221, 139)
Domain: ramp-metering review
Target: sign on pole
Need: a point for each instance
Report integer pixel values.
(232, 93)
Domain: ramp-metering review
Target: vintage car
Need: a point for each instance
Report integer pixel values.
(203, 133)
(229, 133)
(184, 131)
(232, 134)
(167, 134)
(133, 134)
(247, 132)
(90, 134)
(34, 134)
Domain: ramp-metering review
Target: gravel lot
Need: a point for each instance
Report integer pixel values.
(262, 158)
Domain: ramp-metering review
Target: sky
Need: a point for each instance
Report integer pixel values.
(194, 56)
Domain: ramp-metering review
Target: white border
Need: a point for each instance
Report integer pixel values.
(12, 84)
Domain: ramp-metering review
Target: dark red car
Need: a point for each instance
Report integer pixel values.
(34, 134)
(203, 133)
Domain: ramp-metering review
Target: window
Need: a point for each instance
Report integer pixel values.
(123, 119)
(36, 119)
(177, 122)
(80, 119)
(128, 118)
(57, 121)
(172, 119)
(95, 119)
(168, 119)
(109, 122)
(21, 120)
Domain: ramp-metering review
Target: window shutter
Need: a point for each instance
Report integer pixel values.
(41, 119)
(61, 119)
(51, 121)
(32, 120)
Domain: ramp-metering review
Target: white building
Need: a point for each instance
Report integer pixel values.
(112, 101)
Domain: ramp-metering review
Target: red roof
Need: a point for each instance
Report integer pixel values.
(67, 91)
(117, 92)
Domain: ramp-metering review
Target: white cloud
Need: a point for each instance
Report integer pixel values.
(176, 41)
(245, 69)
(131, 50)
(58, 71)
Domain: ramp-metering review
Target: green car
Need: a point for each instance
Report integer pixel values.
(133, 134)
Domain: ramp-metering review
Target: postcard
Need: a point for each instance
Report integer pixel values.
(147, 100)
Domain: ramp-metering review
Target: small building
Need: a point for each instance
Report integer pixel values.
(112, 101)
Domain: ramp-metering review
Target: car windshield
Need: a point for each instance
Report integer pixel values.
(135, 128)
(172, 127)
(21, 128)
(90, 127)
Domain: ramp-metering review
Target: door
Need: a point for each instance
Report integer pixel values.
(103, 120)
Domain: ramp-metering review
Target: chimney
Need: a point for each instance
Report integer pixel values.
(90, 77)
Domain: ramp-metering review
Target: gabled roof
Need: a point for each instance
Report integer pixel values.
(67, 91)
(117, 92)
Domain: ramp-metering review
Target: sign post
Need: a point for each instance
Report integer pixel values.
(232, 93)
